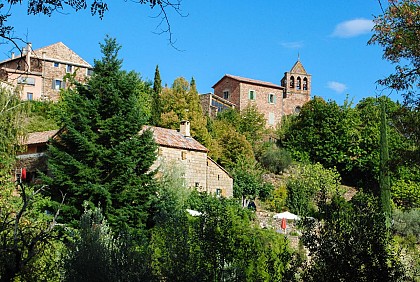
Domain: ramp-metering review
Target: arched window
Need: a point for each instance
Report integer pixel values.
(292, 82)
(298, 83)
(305, 84)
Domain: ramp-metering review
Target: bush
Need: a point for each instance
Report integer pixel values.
(275, 159)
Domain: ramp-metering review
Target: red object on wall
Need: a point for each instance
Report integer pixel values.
(283, 223)
(23, 176)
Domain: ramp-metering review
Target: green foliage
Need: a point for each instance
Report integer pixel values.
(277, 201)
(181, 102)
(248, 182)
(100, 157)
(307, 185)
(275, 159)
(219, 245)
(156, 98)
(384, 174)
(233, 145)
(96, 255)
(12, 115)
(396, 31)
(26, 236)
(407, 223)
(350, 243)
(42, 116)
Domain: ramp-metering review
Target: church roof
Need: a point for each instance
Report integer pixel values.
(250, 81)
(173, 138)
(298, 68)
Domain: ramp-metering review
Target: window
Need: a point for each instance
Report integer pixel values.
(26, 80)
(297, 109)
(218, 192)
(89, 72)
(56, 64)
(271, 98)
(69, 68)
(271, 118)
(197, 184)
(58, 84)
(29, 96)
(183, 155)
(226, 94)
(298, 83)
(251, 95)
(292, 82)
(305, 84)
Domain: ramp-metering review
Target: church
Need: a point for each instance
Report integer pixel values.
(274, 101)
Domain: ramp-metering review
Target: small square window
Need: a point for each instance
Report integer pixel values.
(271, 98)
(69, 68)
(251, 95)
(56, 64)
(183, 155)
(197, 184)
(58, 84)
(29, 96)
(226, 95)
(218, 192)
(89, 72)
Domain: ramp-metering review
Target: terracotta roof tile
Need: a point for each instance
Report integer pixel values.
(251, 81)
(172, 138)
(39, 137)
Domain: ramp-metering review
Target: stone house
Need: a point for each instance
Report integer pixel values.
(199, 170)
(272, 100)
(39, 74)
(34, 159)
(176, 147)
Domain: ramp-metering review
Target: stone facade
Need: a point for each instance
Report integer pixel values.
(272, 100)
(212, 104)
(199, 171)
(39, 74)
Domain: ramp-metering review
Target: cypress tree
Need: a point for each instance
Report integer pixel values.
(384, 178)
(99, 158)
(156, 105)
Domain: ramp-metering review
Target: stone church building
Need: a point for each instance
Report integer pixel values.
(272, 100)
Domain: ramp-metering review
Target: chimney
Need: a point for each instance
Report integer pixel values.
(13, 55)
(184, 128)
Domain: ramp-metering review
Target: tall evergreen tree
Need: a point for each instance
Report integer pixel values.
(156, 104)
(384, 177)
(99, 157)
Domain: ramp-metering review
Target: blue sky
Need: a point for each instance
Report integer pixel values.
(254, 39)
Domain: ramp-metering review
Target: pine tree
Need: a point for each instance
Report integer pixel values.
(100, 157)
(156, 104)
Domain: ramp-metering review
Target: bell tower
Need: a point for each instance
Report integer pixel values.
(297, 88)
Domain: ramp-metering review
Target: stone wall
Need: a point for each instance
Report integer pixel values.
(217, 178)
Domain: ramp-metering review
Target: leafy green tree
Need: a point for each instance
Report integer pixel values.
(233, 145)
(12, 116)
(275, 159)
(248, 183)
(181, 102)
(350, 243)
(100, 157)
(396, 30)
(307, 185)
(326, 133)
(95, 254)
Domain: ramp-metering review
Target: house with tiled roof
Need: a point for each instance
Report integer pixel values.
(174, 148)
(33, 159)
(39, 74)
(199, 170)
(273, 100)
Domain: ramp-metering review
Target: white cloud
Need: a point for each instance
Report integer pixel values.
(336, 86)
(292, 45)
(353, 28)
